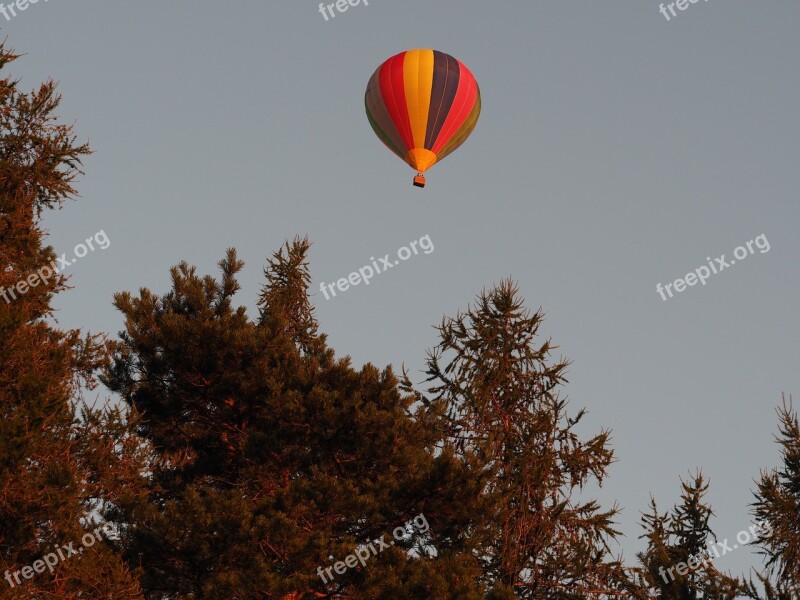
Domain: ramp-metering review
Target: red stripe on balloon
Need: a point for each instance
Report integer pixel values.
(462, 105)
(394, 97)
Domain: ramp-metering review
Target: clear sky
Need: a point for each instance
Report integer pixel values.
(616, 150)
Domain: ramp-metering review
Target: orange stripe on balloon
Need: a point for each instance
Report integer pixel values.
(418, 78)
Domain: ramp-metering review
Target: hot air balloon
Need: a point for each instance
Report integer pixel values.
(422, 104)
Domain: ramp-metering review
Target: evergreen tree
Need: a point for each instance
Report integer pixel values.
(272, 459)
(678, 561)
(767, 590)
(286, 294)
(777, 509)
(495, 403)
(49, 491)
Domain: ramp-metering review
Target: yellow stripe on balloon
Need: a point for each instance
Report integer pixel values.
(418, 81)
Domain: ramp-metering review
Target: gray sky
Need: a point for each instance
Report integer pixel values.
(615, 150)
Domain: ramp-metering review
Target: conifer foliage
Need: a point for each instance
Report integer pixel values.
(495, 402)
(271, 458)
(245, 460)
(678, 563)
(777, 505)
(48, 486)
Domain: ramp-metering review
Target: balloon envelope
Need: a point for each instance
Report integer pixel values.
(422, 104)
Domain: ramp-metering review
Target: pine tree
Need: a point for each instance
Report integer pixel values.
(286, 294)
(777, 510)
(271, 456)
(767, 590)
(660, 555)
(678, 561)
(494, 401)
(49, 490)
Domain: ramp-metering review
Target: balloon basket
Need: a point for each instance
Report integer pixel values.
(419, 180)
